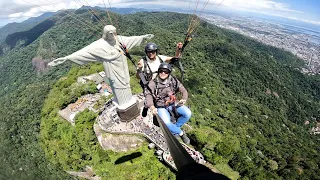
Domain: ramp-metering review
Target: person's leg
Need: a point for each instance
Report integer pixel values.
(145, 109)
(142, 86)
(185, 115)
(165, 116)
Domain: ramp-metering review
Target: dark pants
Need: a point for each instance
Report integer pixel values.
(145, 109)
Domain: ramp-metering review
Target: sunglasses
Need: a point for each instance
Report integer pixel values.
(151, 52)
(164, 71)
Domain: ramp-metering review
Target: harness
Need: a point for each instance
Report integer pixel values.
(173, 84)
(148, 75)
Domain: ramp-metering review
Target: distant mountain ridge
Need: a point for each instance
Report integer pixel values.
(119, 10)
(248, 102)
(24, 38)
(23, 26)
(21, 34)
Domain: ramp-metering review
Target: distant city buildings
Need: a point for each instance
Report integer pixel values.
(89, 100)
(84, 102)
(98, 78)
(299, 43)
(316, 129)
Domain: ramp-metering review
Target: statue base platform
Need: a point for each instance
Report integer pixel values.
(129, 111)
(110, 122)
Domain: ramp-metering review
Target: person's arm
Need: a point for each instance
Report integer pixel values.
(177, 55)
(184, 93)
(178, 48)
(149, 97)
(148, 94)
(167, 59)
(140, 67)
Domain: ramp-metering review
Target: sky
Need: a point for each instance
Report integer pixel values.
(306, 11)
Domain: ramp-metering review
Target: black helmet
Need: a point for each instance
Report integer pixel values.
(165, 66)
(151, 47)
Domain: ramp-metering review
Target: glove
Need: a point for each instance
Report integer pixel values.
(57, 61)
(139, 66)
(148, 36)
(182, 102)
(174, 59)
(154, 111)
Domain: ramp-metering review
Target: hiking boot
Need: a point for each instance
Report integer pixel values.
(185, 138)
(144, 112)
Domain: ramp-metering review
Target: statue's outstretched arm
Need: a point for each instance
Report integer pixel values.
(133, 41)
(148, 36)
(57, 61)
(90, 53)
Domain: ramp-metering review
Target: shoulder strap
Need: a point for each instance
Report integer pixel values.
(175, 87)
(156, 92)
(156, 86)
(160, 59)
(173, 84)
(145, 65)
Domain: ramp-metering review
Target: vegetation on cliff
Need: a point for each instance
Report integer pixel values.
(249, 104)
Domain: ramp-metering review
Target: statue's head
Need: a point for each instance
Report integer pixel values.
(109, 33)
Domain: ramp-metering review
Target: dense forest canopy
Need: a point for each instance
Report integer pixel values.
(249, 104)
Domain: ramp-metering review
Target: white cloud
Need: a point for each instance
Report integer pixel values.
(15, 15)
(54, 5)
(304, 20)
(289, 17)
(257, 5)
(268, 7)
(24, 9)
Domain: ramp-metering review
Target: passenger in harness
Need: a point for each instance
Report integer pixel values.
(150, 63)
(160, 98)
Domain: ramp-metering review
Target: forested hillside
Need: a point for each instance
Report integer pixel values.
(249, 104)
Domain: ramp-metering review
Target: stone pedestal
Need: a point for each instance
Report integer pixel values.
(129, 113)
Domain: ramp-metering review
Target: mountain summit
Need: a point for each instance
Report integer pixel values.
(249, 103)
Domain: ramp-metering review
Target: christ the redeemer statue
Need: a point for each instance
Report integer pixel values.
(107, 50)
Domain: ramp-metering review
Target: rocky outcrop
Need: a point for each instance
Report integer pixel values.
(117, 142)
(39, 64)
(87, 174)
